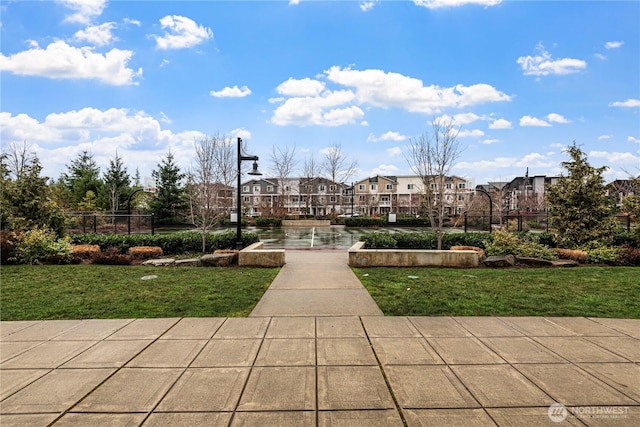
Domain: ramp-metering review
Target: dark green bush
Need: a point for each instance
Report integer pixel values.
(173, 243)
(268, 222)
(365, 221)
(626, 239)
(379, 240)
(416, 240)
(547, 239)
(411, 221)
(466, 239)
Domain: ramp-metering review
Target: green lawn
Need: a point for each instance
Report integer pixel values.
(103, 292)
(578, 291)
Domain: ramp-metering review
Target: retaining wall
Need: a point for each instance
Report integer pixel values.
(255, 256)
(359, 257)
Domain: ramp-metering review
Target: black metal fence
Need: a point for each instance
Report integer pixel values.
(105, 223)
(520, 221)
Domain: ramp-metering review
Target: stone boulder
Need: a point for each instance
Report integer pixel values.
(218, 260)
(189, 262)
(500, 261)
(534, 262)
(160, 262)
(565, 263)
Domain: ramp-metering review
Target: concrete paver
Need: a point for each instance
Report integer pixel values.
(320, 371)
(318, 352)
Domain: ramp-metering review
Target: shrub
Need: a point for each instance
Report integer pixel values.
(379, 240)
(268, 222)
(173, 243)
(137, 252)
(629, 255)
(111, 256)
(466, 239)
(40, 245)
(603, 255)
(416, 240)
(85, 251)
(626, 239)
(520, 244)
(7, 246)
(365, 221)
(572, 254)
(411, 221)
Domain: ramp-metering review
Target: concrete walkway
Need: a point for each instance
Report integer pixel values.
(316, 283)
(324, 371)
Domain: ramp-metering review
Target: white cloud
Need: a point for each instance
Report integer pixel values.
(181, 32)
(240, 133)
(600, 56)
(294, 2)
(461, 119)
(535, 160)
(601, 137)
(439, 4)
(387, 136)
(97, 35)
(301, 87)
(84, 10)
(138, 137)
(633, 139)
(557, 118)
(498, 162)
(61, 61)
(613, 44)
(385, 170)
(394, 151)
(366, 6)
(319, 110)
(309, 101)
(615, 157)
(629, 103)
(558, 145)
(543, 64)
(500, 124)
(532, 121)
(231, 92)
(164, 63)
(388, 90)
(132, 22)
(489, 141)
(470, 133)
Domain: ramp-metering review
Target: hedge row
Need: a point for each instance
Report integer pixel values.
(173, 243)
(268, 222)
(385, 240)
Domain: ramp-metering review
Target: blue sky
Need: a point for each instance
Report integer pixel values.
(522, 79)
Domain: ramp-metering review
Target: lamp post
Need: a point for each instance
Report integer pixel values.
(254, 171)
(490, 205)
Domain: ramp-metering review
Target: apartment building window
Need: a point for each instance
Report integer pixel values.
(294, 199)
(410, 186)
(332, 188)
(374, 186)
(332, 199)
(270, 188)
(461, 186)
(287, 188)
(448, 186)
(322, 188)
(246, 199)
(362, 199)
(245, 189)
(256, 188)
(433, 186)
(389, 187)
(361, 187)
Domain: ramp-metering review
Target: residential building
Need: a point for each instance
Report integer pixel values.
(621, 188)
(521, 194)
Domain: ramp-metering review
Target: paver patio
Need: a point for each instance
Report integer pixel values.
(325, 371)
(318, 352)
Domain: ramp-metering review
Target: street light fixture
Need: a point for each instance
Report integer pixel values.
(255, 172)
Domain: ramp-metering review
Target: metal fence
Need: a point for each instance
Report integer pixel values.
(105, 223)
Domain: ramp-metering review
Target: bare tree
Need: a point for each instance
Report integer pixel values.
(431, 157)
(310, 171)
(203, 177)
(19, 157)
(338, 169)
(283, 163)
(224, 158)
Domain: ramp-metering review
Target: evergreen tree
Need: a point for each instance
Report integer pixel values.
(170, 203)
(83, 175)
(25, 201)
(578, 205)
(117, 184)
